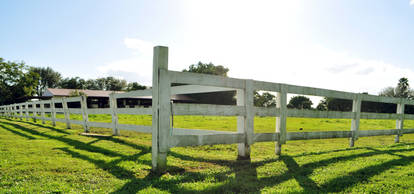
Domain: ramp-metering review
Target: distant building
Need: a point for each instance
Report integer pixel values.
(100, 98)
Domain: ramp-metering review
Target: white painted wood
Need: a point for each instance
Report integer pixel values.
(365, 115)
(94, 111)
(34, 108)
(26, 105)
(407, 131)
(208, 109)
(400, 121)
(84, 111)
(136, 128)
(211, 139)
(113, 106)
(318, 135)
(77, 122)
(161, 109)
(134, 111)
(60, 120)
(42, 112)
(21, 111)
(75, 110)
(73, 99)
(52, 106)
(266, 137)
(100, 124)
(135, 93)
(281, 104)
(266, 111)
(60, 110)
(243, 148)
(377, 132)
(356, 109)
(195, 89)
(205, 79)
(180, 131)
(319, 114)
(66, 112)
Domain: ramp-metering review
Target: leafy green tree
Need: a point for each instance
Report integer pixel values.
(72, 83)
(115, 84)
(211, 97)
(135, 86)
(265, 99)
(92, 84)
(48, 78)
(207, 68)
(300, 102)
(17, 83)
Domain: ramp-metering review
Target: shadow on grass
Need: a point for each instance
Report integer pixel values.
(17, 132)
(245, 179)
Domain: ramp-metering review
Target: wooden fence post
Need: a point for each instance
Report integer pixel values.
(66, 112)
(161, 109)
(53, 113)
(281, 103)
(84, 109)
(27, 110)
(245, 124)
(113, 105)
(34, 106)
(42, 109)
(400, 121)
(356, 109)
(21, 111)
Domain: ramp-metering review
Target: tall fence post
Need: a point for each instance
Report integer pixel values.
(281, 104)
(27, 110)
(84, 109)
(113, 105)
(53, 112)
(66, 112)
(245, 124)
(42, 112)
(161, 109)
(400, 121)
(356, 109)
(15, 111)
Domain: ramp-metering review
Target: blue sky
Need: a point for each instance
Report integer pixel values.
(350, 45)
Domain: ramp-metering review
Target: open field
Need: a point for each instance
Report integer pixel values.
(42, 158)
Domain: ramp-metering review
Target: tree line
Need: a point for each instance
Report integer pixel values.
(19, 82)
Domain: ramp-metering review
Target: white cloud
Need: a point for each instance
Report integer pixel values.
(262, 41)
(138, 67)
(412, 2)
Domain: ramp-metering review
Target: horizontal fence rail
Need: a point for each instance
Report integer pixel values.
(165, 136)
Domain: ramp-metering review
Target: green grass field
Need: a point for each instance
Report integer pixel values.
(40, 158)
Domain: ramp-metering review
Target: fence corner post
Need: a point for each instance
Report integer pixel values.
(356, 109)
(281, 104)
(113, 106)
(399, 121)
(161, 109)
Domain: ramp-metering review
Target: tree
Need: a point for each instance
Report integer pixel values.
(16, 82)
(76, 93)
(209, 68)
(72, 83)
(48, 78)
(300, 102)
(265, 99)
(402, 89)
(211, 97)
(135, 86)
(92, 84)
(115, 84)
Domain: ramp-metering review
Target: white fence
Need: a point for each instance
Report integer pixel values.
(164, 136)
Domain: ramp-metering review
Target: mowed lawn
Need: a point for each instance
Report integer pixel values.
(41, 158)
